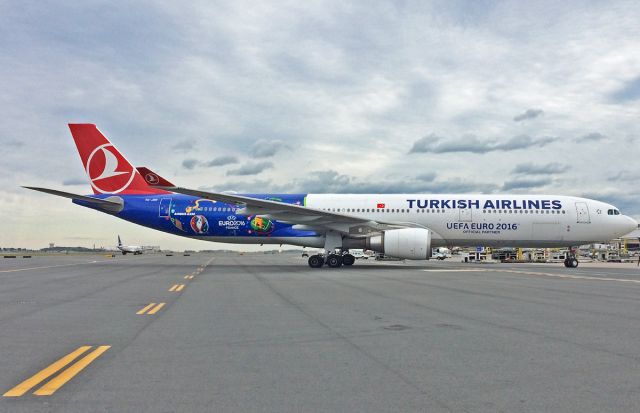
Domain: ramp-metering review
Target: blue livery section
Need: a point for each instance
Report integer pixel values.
(199, 217)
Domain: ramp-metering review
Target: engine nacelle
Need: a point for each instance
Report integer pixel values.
(407, 243)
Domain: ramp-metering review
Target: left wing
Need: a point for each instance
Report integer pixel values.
(301, 217)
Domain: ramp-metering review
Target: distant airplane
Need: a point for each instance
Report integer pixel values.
(129, 249)
(397, 225)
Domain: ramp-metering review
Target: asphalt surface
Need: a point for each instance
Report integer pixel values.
(266, 333)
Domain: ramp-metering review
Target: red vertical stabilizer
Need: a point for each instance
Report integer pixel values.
(108, 170)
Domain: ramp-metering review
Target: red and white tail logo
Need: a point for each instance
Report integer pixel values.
(108, 170)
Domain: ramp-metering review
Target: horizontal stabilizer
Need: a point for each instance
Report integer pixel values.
(111, 205)
(152, 178)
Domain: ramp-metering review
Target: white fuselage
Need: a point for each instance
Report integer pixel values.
(133, 249)
(491, 220)
(472, 219)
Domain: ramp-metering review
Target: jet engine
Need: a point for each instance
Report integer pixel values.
(408, 243)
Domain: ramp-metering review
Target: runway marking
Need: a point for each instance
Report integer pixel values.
(148, 307)
(34, 380)
(54, 384)
(545, 274)
(176, 287)
(189, 277)
(49, 266)
(158, 307)
(575, 277)
(61, 265)
(460, 270)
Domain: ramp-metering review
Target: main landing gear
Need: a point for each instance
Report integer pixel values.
(316, 261)
(332, 260)
(571, 261)
(337, 256)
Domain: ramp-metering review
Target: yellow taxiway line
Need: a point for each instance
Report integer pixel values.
(151, 309)
(176, 287)
(156, 309)
(54, 384)
(144, 310)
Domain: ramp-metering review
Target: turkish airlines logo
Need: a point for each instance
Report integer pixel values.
(151, 178)
(108, 171)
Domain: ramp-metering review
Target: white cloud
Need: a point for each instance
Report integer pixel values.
(347, 87)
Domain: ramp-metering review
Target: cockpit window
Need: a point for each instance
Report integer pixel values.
(613, 212)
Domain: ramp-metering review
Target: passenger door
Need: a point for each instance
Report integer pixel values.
(465, 215)
(582, 211)
(165, 208)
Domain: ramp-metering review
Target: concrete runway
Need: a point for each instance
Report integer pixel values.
(266, 333)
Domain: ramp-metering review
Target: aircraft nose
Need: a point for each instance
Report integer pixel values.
(630, 224)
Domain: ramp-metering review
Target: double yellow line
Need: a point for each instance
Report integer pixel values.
(54, 384)
(151, 308)
(177, 287)
(70, 372)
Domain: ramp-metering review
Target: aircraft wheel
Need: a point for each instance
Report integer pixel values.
(348, 259)
(316, 261)
(571, 262)
(334, 261)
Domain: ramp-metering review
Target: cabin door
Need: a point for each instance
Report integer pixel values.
(465, 215)
(165, 208)
(583, 213)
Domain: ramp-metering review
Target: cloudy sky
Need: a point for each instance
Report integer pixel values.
(445, 96)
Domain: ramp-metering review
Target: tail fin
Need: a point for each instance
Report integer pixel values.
(119, 242)
(108, 170)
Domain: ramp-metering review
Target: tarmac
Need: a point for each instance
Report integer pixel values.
(266, 333)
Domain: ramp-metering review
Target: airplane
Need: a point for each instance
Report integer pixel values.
(405, 226)
(131, 249)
